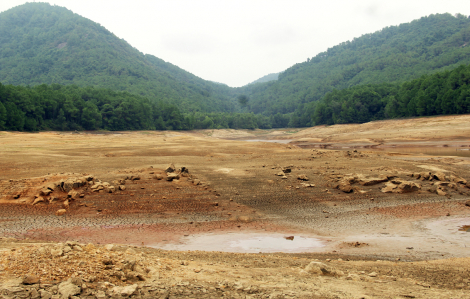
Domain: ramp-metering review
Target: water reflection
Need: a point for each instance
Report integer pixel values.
(246, 243)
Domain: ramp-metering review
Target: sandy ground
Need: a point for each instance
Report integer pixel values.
(248, 197)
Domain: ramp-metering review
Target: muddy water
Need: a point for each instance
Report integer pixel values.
(246, 243)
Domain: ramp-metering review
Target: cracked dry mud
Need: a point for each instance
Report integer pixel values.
(388, 223)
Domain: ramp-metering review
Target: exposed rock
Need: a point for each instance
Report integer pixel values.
(425, 175)
(170, 168)
(122, 187)
(441, 192)
(135, 177)
(45, 294)
(38, 200)
(73, 194)
(280, 173)
(322, 269)
(439, 176)
(109, 247)
(60, 212)
(45, 192)
(458, 180)
(68, 289)
(196, 182)
(111, 189)
(302, 177)
(287, 169)
(72, 183)
(30, 279)
(345, 187)
(245, 218)
(403, 187)
(406, 187)
(372, 181)
(172, 176)
(126, 291)
(467, 203)
(56, 252)
(97, 187)
(158, 177)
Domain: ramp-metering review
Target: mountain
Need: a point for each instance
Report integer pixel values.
(267, 78)
(394, 54)
(40, 43)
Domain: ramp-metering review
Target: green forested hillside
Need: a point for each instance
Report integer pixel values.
(44, 44)
(84, 77)
(267, 78)
(394, 54)
(441, 93)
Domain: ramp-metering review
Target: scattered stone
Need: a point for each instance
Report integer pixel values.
(302, 177)
(280, 173)
(467, 203)
(158, 177)
(122, 187)
(60, 212)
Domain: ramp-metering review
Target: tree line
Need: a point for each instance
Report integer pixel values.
(70, 107)
(442, 93)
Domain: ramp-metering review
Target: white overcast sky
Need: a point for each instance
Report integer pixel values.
(238, 41)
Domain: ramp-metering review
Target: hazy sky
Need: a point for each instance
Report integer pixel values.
(236, 41)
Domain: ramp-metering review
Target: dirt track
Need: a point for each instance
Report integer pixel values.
(236, 187)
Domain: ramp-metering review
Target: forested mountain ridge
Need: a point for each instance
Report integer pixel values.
(394, 54)
(44, 44)
(267, 78)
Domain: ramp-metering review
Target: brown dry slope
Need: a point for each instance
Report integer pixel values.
(359, 205)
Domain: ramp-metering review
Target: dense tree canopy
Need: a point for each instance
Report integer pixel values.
(44, 44)
(438, 94)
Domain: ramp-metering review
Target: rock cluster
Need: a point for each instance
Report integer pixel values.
(439, 182)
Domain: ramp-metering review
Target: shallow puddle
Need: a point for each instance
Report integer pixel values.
(246, 243)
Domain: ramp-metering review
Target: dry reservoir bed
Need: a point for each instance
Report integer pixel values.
(250, 198)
